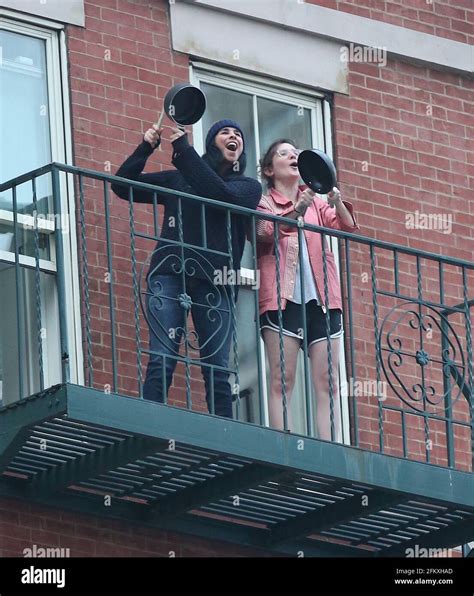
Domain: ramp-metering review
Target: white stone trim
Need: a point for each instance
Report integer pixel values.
(63, 11)
(303, 21)
(261, 48)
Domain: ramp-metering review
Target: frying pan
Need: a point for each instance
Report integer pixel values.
(317, 170)
(184, 104)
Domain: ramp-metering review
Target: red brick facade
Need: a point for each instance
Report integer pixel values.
(121, 66)
(404, 141)
(453, 19)
(24, 524)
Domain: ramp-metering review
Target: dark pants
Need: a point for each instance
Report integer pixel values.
(168, 303)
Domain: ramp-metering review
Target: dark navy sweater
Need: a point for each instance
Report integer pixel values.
(192, 175)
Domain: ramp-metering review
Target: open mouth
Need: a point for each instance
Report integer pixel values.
(231, 145)
(294, 165)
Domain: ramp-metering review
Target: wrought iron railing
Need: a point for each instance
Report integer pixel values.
(405, 385)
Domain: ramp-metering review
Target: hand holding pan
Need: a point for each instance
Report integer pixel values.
(184, 105)
(317, 170)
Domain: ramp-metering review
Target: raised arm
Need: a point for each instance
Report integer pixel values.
(242, 191)
(132, 169)
(338, 214)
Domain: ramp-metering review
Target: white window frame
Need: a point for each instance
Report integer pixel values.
(61, 151)
(321, 131)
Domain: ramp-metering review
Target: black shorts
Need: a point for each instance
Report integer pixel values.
(292, 321)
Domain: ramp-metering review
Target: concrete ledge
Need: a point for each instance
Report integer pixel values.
(258, 47)
(70, 11)
(308, 20)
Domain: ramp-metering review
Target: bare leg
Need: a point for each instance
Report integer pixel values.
(318, 355)
(291, 348)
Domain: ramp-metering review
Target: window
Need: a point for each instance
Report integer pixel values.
(26, 142)
(266, 110)
(32, 124)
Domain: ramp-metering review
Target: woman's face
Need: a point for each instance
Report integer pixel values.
(229, 141)
(284, 164)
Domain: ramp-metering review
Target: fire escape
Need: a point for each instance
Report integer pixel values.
(79, 448)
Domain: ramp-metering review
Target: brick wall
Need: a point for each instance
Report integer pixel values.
(24, 524)
(453, 19)
(404, 143)
(121, 66)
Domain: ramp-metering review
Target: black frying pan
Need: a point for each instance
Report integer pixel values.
(184, 104)
(317, 170)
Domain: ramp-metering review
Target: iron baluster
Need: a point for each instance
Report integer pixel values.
(355, 421)
(61, 279)
(328, 337)
(185, 302)
(470, 371)
(377, 344)
(450, 451)
(38, 287)
(19, 295)
(203, 225)
(257, 326)
(85, 281)
(156, 227)
(232, 292)
(136, 296)
(280, 325)
(111, 286)
(307, 385)
(422, 357)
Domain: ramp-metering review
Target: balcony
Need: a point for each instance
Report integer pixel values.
(81, 436)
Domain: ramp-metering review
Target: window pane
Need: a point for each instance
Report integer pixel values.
(225, 103)
(26, 306)
(276, 119)
(24, 116)
(26, 241)
(279, 120)
(25, 126)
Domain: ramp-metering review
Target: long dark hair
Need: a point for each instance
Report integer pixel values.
(267, 159)
(214, 159)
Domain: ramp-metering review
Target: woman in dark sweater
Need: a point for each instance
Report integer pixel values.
(183, 278)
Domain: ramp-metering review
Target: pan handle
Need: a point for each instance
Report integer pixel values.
(160, 119)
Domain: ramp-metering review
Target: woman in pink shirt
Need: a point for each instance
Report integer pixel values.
(287, 198)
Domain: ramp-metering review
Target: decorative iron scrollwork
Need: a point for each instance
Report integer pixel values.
(438, 351)
(193, 267)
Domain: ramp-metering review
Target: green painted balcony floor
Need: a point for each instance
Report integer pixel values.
(78, 448)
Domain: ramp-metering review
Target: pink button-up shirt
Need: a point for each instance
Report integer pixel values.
(319, 213)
